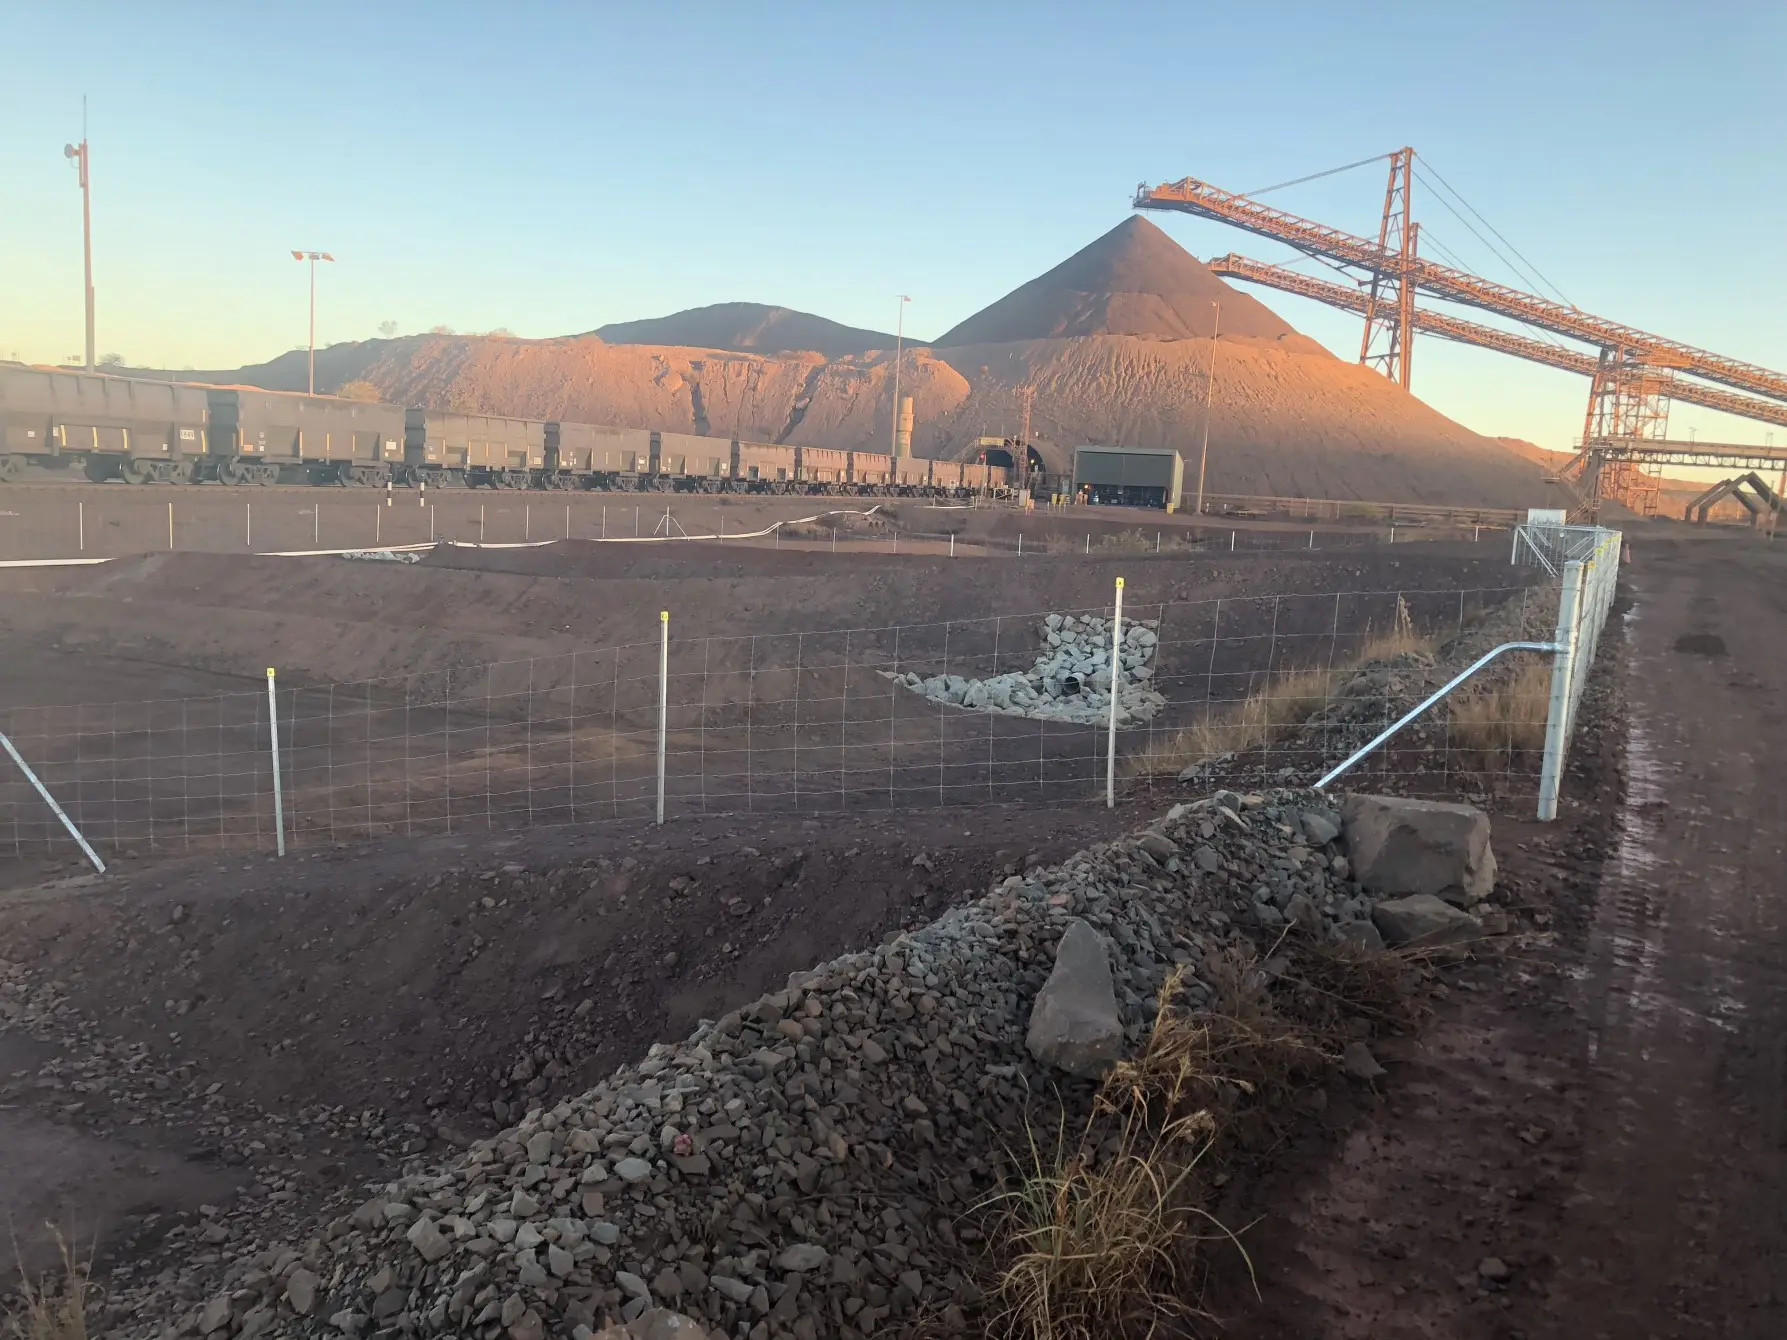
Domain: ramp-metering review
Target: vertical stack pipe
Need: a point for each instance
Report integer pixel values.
(903, 432)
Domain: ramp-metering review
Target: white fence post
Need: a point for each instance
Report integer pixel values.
(663, 699)
(278, 788)
(248, 525)
(50, 800)
(170, 527)
(1110, 752)
(1563, 677)
(81, 524)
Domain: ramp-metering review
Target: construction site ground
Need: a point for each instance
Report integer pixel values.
(1599, 1108)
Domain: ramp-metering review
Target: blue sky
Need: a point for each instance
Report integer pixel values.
(548, 168)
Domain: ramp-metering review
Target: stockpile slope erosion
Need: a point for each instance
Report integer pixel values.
(1115, 342)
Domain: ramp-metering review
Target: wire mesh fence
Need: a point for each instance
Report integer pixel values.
(1255, 689)
(119, 521)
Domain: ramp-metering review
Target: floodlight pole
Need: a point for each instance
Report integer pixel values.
(899, 343)
(81, 156)
(313, 257)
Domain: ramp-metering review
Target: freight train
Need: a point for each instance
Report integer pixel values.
(101, 427)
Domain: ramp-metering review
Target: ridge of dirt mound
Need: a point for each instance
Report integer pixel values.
(1135, 280)
(752, 327)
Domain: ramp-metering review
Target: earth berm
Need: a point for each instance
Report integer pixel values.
(801, 1167)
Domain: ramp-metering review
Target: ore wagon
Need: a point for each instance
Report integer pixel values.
(472, 449)
(264, 437)
(105, 427)
(763, 467)
(587, 455)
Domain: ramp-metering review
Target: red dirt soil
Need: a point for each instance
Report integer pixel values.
(1601, 1110)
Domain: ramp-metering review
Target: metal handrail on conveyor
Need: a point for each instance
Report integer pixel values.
(1433, 698)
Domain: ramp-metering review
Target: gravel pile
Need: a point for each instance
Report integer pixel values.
(1070, 681)
(798, 1168)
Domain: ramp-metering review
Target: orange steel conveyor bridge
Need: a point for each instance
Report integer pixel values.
(1635, 374)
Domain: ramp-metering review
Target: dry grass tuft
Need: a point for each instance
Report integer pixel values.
(1106, 1236)
(1102, 1246)
(1503, 722)
(53, 1306)
(1125, 542)
(1277, 705)
(1103, 1237)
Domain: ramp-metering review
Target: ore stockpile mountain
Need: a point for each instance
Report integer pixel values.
(1114, 344)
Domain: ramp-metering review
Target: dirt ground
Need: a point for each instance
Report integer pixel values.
(70, 521)
(1587, 1138)
(325, 1018)
(500, 689)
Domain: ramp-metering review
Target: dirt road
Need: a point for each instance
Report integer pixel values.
(1590, 1137)
(1678, 1227)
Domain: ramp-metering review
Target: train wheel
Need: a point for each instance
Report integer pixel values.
(11, 467)
(230, 472)
(136, 472)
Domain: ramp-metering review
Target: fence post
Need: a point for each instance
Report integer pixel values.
(278, 788)
(1563, 676)
(1110, 752)
(80, 513)
(1020, 542)
(663, 699)
(567, 521)
(1231, 541)
(50, 800)
(316, 524)
(170, 527)
(378, 525)
(527, 521)
(952, 544)
(248, 525)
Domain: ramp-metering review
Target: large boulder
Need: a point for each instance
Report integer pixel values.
(1400, 846)
(1074, 1024)
(1423, 921)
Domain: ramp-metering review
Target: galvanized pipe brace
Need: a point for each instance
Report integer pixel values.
(50, 800)
(1433, 698)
